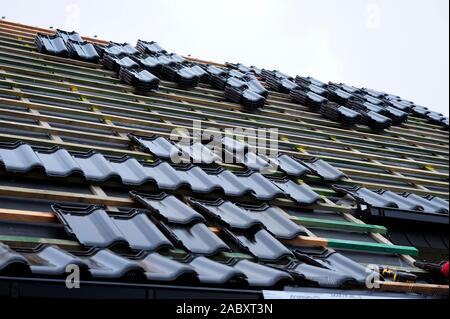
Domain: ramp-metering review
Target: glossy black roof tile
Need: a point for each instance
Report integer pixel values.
(308, 98)
(291, 166)
(198, 180)
(66, 36)
(18, 157)
(322, 277)
(165, 176)
(165, 149)
(364, 195)
(160, 268)
(178, 73)
(130, 171)
(149, 47)
(262, 276)
(94, 227)
(439, 202)
(83, 51)
(158, 146)
(168, 207)
(117, 49)
(253, 161)
(21, 158)
(9, 259)
(342, 266)
(116, 63)
(95, 166)
(213, 272)
(52, 260)
(51, 44)
(58, 162)
(301, 193)
(149, 63)
(228, 213)
(106, 264)
(260, 244)
(197, 238)
(199, 153)
(229, 182)
(142, 80)
(277, 223)
(323, 169)
(432, 206)
(262, 188)
(388, 199)
(309, 81)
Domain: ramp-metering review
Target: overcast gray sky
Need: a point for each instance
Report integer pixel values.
(398, 46)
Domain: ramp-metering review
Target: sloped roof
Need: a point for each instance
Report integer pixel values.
(88, 175)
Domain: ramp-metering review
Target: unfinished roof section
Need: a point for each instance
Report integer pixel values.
(93, 172)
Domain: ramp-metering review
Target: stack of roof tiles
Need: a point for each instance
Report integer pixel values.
(87, 167)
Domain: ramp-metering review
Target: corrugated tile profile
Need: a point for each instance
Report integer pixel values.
(160, 268)
(246, 217)
(57, 162)
(169, 208)
(54, 261)
(388, 199)
(327, 268)
(301, 193)
(50, 260)
(242, 153)
(259, 275)
(292, 166)
(51, 44)
(227, 213)
(213, 272)
(94, 227)
(11, 261)
(197, 238)
(323, 169)
(260, 244)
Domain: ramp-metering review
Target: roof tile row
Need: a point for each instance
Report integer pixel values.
(57, 162)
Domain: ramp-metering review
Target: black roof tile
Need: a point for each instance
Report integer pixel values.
(213, 272)
(83, 51)
(117, 49)
(94, 227)
(197, 238)
(142, 80)
(51, 44)
(56, 162)
(149, 47)
(66, 36)
(291, 166)
(260, 244)
(322, 277)
(18, 157)
(324, 170)
(158, 146)
(228, 213)
(168, 207)
(261, 187)
(160, 268)
(275, 221)
(106, 264)
(10, 259)
(388, 199)
(302, 194)
(262, 276)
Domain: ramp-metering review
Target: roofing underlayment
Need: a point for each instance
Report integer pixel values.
(92, 175)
